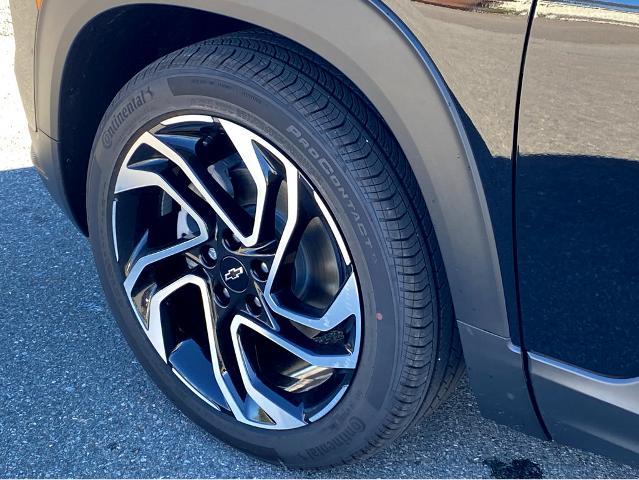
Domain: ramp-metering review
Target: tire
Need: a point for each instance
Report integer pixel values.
(409, 351)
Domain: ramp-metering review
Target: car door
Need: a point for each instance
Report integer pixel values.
(577, 221)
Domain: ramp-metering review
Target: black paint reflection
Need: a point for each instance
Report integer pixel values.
(579, 248)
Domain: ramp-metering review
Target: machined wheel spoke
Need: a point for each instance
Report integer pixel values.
(155, 329)
(254, 152)
(345, 305)
(137, 264)
(346, 360)
(283, 413)
(142, 255)
(292, 185)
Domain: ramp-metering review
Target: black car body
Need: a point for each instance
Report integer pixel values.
(519, 121)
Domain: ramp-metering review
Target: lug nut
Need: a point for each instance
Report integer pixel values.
(254, 305)
(231, 241)
(222, 295)
(212, 254)
(260, 271)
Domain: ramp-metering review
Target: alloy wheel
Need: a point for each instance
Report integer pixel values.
(236, 271)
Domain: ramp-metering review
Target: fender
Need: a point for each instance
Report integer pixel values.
(393, 70)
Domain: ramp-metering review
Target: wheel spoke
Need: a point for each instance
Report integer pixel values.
(283, 413)
(292, 191)
(154, 332)
(155, 329)
(345, 305)
(253, 151)
(130, 179)
(347, 360)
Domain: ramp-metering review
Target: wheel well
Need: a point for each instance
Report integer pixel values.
(105, 55)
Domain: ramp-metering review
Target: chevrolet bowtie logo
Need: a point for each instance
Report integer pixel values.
(233, 273)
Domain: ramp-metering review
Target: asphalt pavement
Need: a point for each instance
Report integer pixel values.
(74, 402)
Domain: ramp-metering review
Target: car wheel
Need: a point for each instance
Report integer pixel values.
(266, 251)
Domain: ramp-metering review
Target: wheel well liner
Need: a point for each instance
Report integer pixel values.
(129, 37)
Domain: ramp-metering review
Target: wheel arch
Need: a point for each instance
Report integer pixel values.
(425, 121)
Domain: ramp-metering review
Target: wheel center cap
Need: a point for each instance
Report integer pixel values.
(234, 274)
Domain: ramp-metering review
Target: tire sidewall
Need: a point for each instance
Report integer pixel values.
(348, 428)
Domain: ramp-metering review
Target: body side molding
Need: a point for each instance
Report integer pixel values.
(588, 410)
